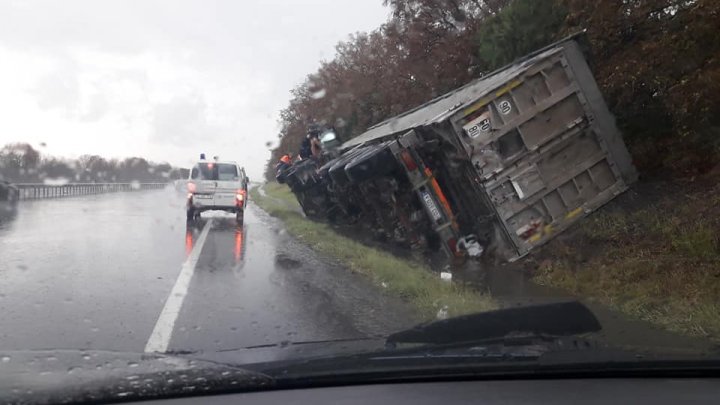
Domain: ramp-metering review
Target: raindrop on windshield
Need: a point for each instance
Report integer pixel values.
(319, 94)
(5, 359)
(58, 181)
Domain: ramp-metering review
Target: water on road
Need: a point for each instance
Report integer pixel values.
(98, 273)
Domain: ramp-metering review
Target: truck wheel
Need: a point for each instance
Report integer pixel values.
(376, 162)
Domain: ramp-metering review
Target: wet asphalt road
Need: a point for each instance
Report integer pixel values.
(96, 272)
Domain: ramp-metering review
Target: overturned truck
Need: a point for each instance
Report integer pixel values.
(501, 165)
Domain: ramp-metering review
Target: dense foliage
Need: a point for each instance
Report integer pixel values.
(658, 63)
(655, 60)
(21, 163)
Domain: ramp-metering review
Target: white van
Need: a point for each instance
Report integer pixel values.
(216, 185)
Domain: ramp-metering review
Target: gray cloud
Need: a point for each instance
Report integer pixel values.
(59, 89)
(243, 57)
(182, 122)
(96, 109)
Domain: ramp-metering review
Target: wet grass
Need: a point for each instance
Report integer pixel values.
(660, 263)
(412, 281)
(282, 193)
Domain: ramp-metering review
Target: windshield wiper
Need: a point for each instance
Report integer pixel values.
(555, 319)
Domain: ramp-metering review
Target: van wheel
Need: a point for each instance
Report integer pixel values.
(190, 214)
(239, 216)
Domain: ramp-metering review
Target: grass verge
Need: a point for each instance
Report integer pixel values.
(660, 263)
(412, 281)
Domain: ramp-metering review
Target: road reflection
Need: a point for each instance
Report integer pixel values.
(189, 235)
(239, 245)
(225, 238)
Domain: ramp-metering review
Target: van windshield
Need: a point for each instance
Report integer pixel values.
(217, 171)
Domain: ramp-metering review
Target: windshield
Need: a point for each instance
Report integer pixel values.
(248, 181)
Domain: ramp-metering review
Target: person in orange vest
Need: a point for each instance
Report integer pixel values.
(284, 164)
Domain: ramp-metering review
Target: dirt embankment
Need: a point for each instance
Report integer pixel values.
(411, 281)
(653, 253)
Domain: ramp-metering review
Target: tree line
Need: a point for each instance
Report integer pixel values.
(657, 63)
(21, 163)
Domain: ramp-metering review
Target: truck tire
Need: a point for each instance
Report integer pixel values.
(378, 161)
(337, 171)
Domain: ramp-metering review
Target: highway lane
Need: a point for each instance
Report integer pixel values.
(97, 273)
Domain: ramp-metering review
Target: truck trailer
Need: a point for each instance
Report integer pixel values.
(503, 164)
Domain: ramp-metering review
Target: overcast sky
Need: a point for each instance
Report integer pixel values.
(167, 79)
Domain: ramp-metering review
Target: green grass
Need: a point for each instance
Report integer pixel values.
(412, 281)
(660, 264)
(281, 192)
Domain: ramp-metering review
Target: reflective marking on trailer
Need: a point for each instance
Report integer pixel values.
(572, 214)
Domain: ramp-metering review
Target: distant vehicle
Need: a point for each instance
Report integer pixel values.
(217, 186)
(9, 197)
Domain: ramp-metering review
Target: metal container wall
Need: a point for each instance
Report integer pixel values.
(545, 147)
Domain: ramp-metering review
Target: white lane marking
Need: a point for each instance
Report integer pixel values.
(161, 334)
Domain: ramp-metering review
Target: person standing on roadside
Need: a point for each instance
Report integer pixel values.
(282, 165)
(305, 147)
(315, 146)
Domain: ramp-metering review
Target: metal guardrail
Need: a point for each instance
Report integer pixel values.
(32, 191)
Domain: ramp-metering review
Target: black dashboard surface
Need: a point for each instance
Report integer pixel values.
(574, 391)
